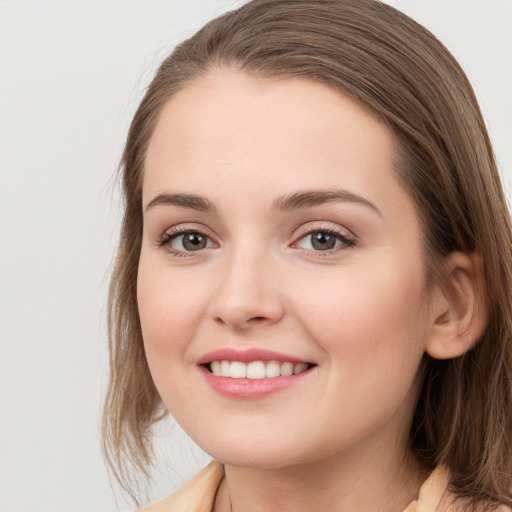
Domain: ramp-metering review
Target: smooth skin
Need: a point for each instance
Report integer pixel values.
(252, 276)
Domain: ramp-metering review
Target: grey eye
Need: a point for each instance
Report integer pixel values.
(322, 241)
(192, 241)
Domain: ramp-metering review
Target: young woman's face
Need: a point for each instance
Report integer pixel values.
(277, 239)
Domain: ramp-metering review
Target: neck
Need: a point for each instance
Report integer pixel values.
(344, 483)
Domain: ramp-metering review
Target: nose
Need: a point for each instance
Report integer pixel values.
(247, 293)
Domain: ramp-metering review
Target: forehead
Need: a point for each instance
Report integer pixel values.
(228, 119)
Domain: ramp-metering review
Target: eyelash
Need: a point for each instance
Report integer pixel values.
(167, 238)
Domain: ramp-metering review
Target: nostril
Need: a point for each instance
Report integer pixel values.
(252, 321)
(242, 315)
(256, 320)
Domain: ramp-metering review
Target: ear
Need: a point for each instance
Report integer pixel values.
(459, 310)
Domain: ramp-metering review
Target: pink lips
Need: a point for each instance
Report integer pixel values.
(248, 388)
(246, 356)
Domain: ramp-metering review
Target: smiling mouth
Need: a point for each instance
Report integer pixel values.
(256, 369)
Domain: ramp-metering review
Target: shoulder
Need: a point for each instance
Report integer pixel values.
(435, 496)
(451, 503)
(196, 495)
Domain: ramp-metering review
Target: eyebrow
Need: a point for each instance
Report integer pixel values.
(295, 201)
(312, 198)
(191, 201)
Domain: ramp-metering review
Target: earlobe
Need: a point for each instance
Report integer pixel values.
(459, 312)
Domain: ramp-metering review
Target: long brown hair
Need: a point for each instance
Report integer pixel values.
(401, 73)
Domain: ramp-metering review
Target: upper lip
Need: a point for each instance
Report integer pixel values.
(247, 356)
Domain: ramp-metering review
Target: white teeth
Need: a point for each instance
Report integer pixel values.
(287, 369)
(273, 369)
(256, 369)
(238, 370)
(225, 369)
(215, 366)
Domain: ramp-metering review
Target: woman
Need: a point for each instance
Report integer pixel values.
(314, 273)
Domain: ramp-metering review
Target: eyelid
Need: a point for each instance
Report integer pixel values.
(312, 226)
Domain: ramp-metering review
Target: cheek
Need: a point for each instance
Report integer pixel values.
(169, 310)
(374, 320)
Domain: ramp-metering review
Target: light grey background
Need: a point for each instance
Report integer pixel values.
(71, 75)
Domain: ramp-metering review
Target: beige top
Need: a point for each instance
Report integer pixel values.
(198, 494)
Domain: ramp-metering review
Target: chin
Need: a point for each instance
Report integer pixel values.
(253, 459)
(257, 452)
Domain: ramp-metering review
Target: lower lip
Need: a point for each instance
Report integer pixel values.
(250, 388)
